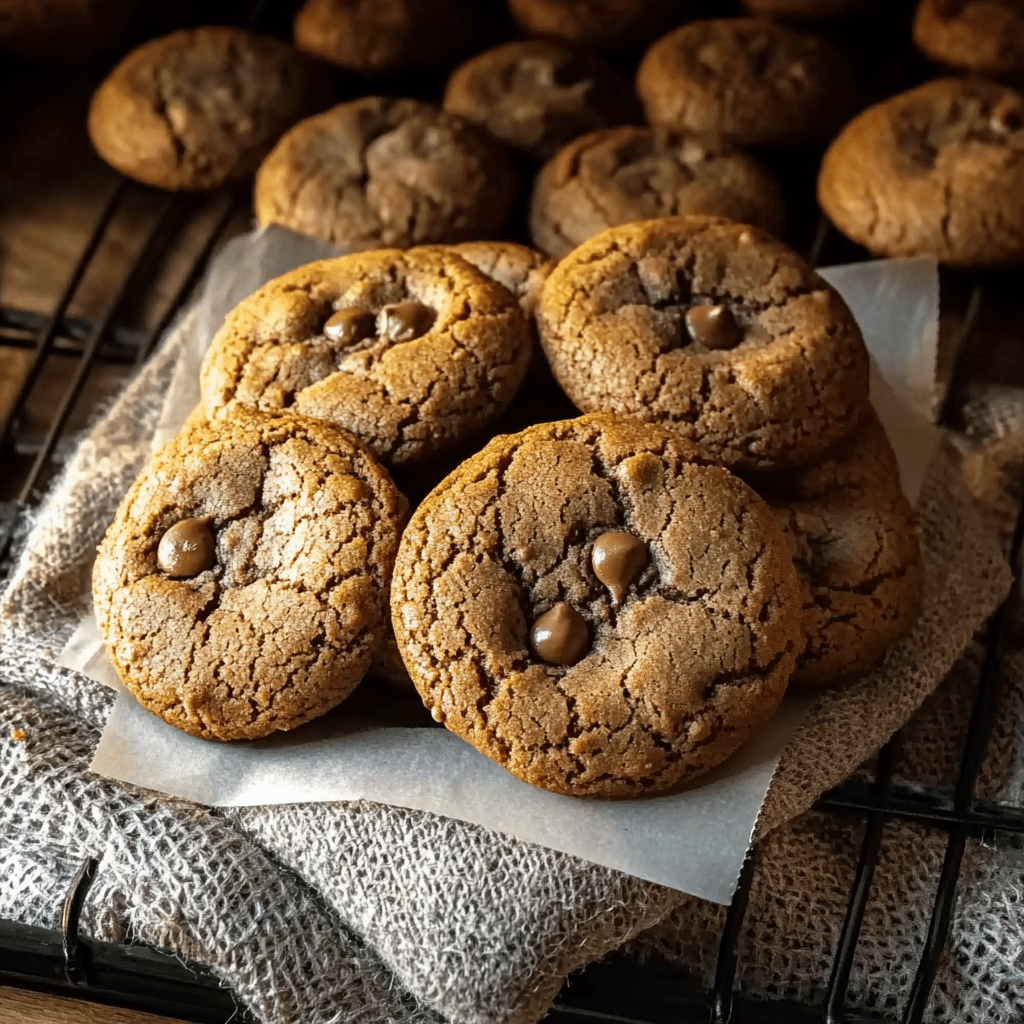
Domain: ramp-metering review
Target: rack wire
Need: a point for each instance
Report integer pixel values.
(618, 990)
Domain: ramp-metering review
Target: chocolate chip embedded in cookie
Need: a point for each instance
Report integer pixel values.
(980, 36)
(935, 171)
(411, 351)
(629, 173)
(596, 608)
(518, 268)
(380, 172)
(242, 586)
(711, 328)
(748, 79)
(201, 108)
(853, 537)
(535, 96)
(385, 36)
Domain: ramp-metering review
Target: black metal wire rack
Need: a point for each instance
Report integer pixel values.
(618, 990)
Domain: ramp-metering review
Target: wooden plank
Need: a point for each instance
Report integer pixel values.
(22, 1006)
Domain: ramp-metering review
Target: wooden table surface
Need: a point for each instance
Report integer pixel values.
(21, 1006)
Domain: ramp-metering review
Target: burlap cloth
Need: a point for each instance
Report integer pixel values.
(366, 912)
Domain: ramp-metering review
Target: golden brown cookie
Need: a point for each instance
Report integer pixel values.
(853, 537)
(385, 36)
(380, 172)
(624, 174)
(596, 608)
(750, 80)
(712, 328)
(410, 351)
(535, 96)
(984, 37)
(598, 24)
(518, 268)
(937, 171)
(201, 108)
(241, 588)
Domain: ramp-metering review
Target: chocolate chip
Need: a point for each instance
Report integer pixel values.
(404, 321)
(187, 548)
(714, 327)
(350, 325)
(560, 636)
(618, 558)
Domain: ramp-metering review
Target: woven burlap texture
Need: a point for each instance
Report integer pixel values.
(363, 911)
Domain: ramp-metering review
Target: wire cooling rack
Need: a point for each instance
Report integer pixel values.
(617, 990)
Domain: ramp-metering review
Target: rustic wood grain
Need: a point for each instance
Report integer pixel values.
(21, 1006)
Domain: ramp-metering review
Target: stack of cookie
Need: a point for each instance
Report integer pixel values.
(607, 604)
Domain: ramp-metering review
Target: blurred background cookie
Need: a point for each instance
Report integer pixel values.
(201, 108)
(981, 36)
(65, 30)
(751, 80)
(631, 173)
(535, 96)
(386, 36)
(936, 171)
(809, 10)
(599, 24)
(382, 172)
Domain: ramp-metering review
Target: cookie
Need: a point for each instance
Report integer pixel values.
(518, 268)
(597, 24)
(936, 171)
(241, 588)
(810, 10)
(712, 328)
(853, 538)
(410, 351)
(388, 36)
(381, 172)
(624, 174)
(65, 30)
(596, 608)
(750, 80)
(984, 37)
(535, 96)
(201, 108)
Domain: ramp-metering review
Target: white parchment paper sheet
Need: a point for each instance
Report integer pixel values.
(695, 840)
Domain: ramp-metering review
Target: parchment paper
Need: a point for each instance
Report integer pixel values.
(694, 841)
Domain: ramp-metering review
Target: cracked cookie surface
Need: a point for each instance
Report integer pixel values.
(381, 172)
(282, 625)
(201, 108)
(983, 37)
(748, 79)
(407, 395)
(938, 171)
(853, 537)
(673, 676)
(518, 268)
(630, 173)
(535, 95)
(616, 323)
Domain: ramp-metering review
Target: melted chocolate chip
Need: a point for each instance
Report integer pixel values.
(404, 321)
(187, 548)
(350, 325)
(560, 636)
(618, 558)
(714, 327)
